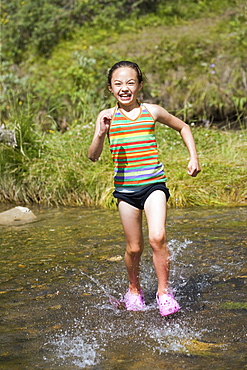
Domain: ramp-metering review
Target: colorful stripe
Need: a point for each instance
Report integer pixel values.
(134, 150)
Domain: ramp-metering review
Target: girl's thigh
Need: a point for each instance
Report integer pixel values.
(155, 210)
(131, 219)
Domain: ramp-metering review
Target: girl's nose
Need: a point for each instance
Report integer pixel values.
(125, 88)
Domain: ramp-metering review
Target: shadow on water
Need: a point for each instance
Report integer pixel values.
(62, 278)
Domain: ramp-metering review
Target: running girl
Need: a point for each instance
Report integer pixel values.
(139, 177)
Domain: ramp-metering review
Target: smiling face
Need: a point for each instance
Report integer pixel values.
(125, 87)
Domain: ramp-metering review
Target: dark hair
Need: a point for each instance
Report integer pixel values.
(125, 63)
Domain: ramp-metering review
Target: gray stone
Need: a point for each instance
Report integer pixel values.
(17, 215)
(7, 137)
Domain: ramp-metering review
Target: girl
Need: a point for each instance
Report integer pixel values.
(139, 178)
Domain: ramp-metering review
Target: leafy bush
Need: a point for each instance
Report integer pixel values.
(41, 24)
(199, 73)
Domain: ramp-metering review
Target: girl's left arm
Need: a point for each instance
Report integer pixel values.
(162, 116)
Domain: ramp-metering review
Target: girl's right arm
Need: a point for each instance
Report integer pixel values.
(102, 126)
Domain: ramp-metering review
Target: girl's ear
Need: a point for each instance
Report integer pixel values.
(110, 88)
(140, 86)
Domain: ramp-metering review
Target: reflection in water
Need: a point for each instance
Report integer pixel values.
(63, 276)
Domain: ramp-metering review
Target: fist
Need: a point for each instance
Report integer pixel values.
(193, 168)
(105, 122)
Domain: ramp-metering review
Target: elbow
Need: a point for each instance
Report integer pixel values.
(92, 157)
(185, 129)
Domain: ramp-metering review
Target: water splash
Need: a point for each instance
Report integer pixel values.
(86, 344)
(173, 337)
(116, 303)
(77, 350)
(176, 247)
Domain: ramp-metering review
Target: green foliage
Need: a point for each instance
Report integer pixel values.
(54, 73)
(42, 23)
(187, 9)
(183, 71)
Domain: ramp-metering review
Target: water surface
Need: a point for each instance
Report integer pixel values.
(59, 274)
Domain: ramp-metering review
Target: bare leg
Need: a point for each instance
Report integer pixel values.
(155, 209)
(131, 218)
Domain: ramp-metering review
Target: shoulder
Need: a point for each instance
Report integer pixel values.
(158, 112)
(109, 111)
(161, 115)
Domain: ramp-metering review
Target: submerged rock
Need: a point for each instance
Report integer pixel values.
(234, 305)
(198, 348)
(17, 215)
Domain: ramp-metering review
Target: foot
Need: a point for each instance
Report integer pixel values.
(167, 304)
(134, 302)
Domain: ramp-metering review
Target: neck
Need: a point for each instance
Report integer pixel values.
(129, 108)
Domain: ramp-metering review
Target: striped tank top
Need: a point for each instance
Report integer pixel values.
(134, 150)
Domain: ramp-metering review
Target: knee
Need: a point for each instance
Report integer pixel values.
(134, 249)
(157, 240)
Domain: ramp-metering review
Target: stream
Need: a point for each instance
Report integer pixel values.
(61, 278)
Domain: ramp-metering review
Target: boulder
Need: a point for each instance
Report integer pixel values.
(17, 215)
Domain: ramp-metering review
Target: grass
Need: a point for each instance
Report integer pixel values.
(63, 175)
(223, 162)
(194, 60)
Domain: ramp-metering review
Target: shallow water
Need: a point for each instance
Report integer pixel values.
(59, 274)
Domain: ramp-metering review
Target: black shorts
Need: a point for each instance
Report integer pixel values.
(138, 198)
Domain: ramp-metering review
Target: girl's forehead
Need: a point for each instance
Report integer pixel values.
(124, 73)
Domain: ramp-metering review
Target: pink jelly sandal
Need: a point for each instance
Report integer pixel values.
(167, 304)
(134, 302)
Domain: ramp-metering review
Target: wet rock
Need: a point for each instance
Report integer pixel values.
(198, 348)
(115, 258)
(17, 215)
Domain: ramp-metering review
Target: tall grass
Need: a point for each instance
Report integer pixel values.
(61, 173)
(223, 160)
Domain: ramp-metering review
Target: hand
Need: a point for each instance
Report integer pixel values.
(193, 167)
(105, 121)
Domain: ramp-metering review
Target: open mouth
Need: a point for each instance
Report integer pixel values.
(125, 96)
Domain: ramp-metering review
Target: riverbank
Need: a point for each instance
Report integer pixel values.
(193, 57)
(55, 170)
